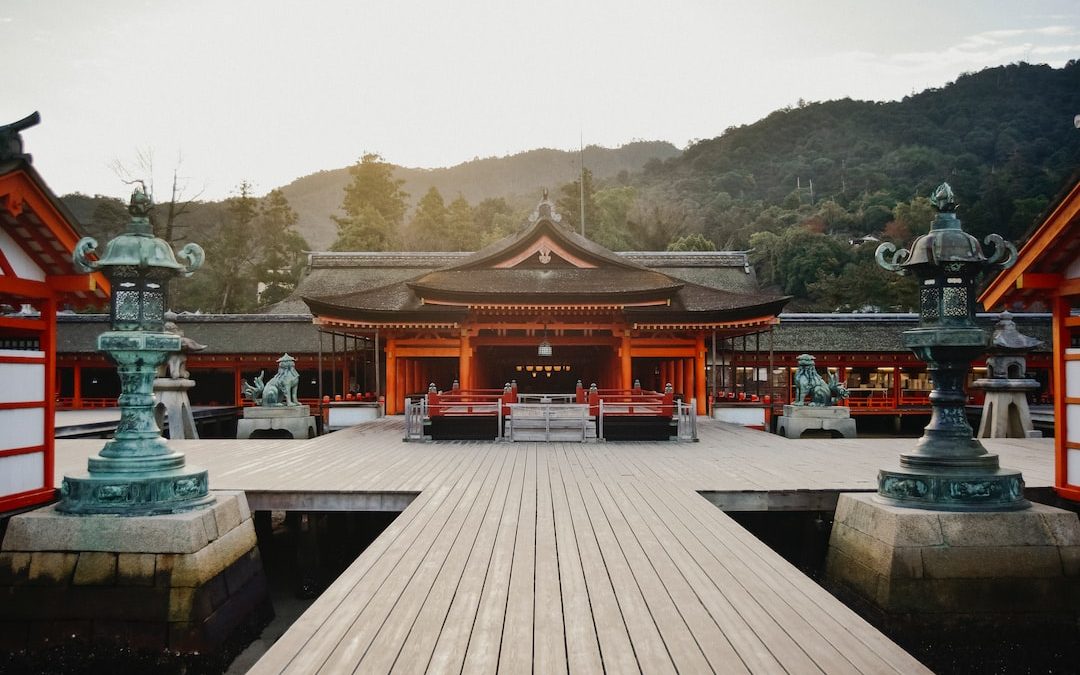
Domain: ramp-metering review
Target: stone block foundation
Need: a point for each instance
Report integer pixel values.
(920, 571)
(182, 582)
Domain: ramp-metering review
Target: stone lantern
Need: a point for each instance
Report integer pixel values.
(948, 469)
(136, 473)
(1005, 410)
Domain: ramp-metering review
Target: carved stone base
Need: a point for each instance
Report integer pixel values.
(928, 570)
(797, 420)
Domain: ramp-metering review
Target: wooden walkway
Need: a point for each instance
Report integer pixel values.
(579, 558)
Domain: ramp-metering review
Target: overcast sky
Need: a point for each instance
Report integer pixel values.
(269, 91)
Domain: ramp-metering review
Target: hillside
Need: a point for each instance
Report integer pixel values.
(316, 197)
(1003, 138)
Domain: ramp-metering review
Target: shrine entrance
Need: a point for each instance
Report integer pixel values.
(534, 374)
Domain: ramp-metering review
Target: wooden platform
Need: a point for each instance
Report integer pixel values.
(551, 558)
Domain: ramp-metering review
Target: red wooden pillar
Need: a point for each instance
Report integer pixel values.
(699, 374)
(76, 393)
(391, 377)
(624, 354)
(465, 362)
(238, 381)
(47, 344)
(1061, 336)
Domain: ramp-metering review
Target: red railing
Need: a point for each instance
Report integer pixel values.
(471, 402)
(635, 402)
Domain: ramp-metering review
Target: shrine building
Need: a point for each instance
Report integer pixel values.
(1047, 276)
(545, 308)
(37, 236)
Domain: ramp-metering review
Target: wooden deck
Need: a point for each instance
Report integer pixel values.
(554, 558)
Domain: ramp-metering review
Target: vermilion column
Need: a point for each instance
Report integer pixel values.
(465, 362)
(392, 405)
(699, 374)
(624, 354)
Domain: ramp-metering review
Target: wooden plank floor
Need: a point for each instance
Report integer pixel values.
(569, 558)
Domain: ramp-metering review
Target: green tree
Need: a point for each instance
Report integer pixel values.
(460, 227)
(569, 203)
(429, 222)
(910, 219)
(613, 206)
(227, 283)
(792, 260)
(692, 242)
(862, 285)
(282, 248)
(494, 219)
(367, 230)
(374, 206)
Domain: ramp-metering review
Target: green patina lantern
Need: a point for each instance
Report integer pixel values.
(949, 469)
(136, 473)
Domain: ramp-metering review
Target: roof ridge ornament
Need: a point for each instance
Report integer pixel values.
(11, 145)
(545, 210)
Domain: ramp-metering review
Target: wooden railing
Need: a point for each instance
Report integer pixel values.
(635, 402)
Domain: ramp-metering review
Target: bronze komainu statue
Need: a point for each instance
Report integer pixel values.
(280, 390)
(808, 382)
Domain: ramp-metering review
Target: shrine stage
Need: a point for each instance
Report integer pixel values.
(567, 557)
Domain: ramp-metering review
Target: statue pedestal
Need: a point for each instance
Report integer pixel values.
(1005, 412)
(266, 420)
(927, 570)
(188, 582)
(173, 405)
(797, 419)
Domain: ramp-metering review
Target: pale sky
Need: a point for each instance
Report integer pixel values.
(269, 91)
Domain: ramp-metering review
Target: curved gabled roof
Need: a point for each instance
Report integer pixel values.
(545, 264)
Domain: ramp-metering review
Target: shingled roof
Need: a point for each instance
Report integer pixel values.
(546, 265)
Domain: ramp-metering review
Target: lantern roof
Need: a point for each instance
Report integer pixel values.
(138, 247)
(946, 242)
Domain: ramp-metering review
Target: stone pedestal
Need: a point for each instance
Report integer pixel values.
(186, 582)
(294, 419)
(173, 405)
(1005, 412)
(797, 419)
(920, 570)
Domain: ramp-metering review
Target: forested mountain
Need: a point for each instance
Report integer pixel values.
(516, 178)
(798, 187)
(1003, 138)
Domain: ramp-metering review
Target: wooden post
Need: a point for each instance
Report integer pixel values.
(1060, 334)
(624, 354)
(699, 374)
(47, 344)
(391, 377)
(465, 362)
(76, 394)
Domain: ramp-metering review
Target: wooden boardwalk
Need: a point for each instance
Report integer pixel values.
(556, 558)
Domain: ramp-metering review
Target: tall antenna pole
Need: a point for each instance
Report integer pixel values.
(581, 159)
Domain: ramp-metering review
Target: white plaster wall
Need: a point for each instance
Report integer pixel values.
(748, 417)
(24, 265)
(1072, 419)
(1072, 375)
(22, 428)
(20, 473)
(1072, 473)
(22, 382)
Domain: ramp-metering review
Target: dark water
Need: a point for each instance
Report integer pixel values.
(302, 554)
